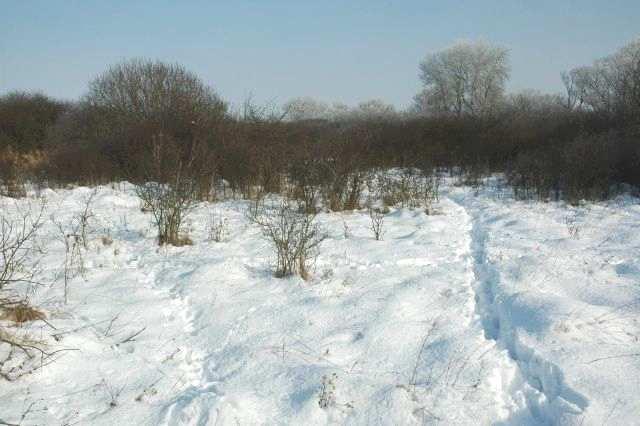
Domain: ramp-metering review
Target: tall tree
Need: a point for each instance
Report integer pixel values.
(612, 84)
(467, 78)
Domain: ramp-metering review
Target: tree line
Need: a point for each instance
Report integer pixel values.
(148, 121)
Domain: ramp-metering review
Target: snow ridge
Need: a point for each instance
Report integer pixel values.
(546, 395)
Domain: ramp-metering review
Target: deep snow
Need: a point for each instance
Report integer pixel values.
(492, 311)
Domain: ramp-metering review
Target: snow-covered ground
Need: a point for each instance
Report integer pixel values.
(492, 311)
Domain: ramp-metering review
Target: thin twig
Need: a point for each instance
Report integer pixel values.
(613, 357)
(133, 336)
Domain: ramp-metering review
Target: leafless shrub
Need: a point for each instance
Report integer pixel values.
(84, 218)
(11, 178)
(305, 176)
(18, 244)
(173, 194)
(573, 227)
(169, 204)
(342, 184)
(473, 176)
(327, 395)
(377, 222)
(74, 234)
(256, 206)
(112, 392)
(218, 227)
(73, 261)
(402, 189)
(345, 229)
(590, 167)
(346, 192)
(294, 234)
(409, 188)
(428, 191)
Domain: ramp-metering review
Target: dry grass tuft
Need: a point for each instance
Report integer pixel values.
(184, 240)
(20, 313)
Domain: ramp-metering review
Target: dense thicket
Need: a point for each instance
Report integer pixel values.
(149, 121)
(25, 120)
(136, 114)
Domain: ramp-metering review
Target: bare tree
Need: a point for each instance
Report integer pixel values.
(528, 103)
(306, 108)
(140, 104)
(269, 112)
(467, 78)
(573, 98)
(146, 90)
(373, 109)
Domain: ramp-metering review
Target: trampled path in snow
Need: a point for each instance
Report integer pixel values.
(488, 312)
(545, 397)
(555, 289)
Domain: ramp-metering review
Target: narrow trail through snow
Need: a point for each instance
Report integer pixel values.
(548, 400)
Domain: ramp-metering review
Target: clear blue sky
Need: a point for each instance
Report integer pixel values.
(334, 50)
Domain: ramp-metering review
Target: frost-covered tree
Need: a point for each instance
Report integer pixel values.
(532, 102)
(467, 78)
(572, 99)
(339, 110)
(374, 109)
(611, 85)
(306, 108)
